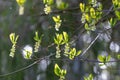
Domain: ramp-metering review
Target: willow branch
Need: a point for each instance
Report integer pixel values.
(75, 9)
(84, 52)
(86, 60)
(27, 67)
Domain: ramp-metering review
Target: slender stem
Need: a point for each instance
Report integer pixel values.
(3, 75)
(84, 52)
(24, 68)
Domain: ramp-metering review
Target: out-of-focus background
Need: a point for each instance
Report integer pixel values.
(32, 20)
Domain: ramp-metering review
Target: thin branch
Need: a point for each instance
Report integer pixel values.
(84, 52)
(59, 11)
(27, 67)
(97, 61)
(3, 75)
(85, 60)
(75, 9)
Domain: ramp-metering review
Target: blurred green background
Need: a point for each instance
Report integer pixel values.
(33, 20)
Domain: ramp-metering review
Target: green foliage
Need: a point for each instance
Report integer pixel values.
(73, 53)
(57, 21)
(93, 2)
(49, 2)
(13, 39)
(67, 46)
(86, 26)
(90, 77)
(90, 14)
(21, 2)
(116, 3)
(61, 5)
(38, 41)
(112, 22)
(118, 56)
(59, 39)
(104, 59)
(27, 53)
(59, 72)
(65, 37)
(117, 13)
(82, 7)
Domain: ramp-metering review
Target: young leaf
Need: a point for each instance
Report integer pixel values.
(27, 52)
(28, 55)
(115, 3)
(16, 38)
(92, 13)
(117, 13)
(60, 38)
(118, 56)
(65, 36)
(56, 18)
(12, 37)
(62, 5)
(101, 58)
(64, 72)
(21, 2)
(113, 22)
(85, 78)
(55, 41)
(36, 38)
(45, 1)
(82, 7)
(78, 53)
(108, 58)
(72, 53)
(86, 26)
(57, 21)
(90, 77)
(87, 17)
(57, 70)
(50, 2)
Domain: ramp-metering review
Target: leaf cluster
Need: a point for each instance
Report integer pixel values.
(104, 59)
(60, 72)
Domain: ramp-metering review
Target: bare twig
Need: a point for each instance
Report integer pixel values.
(75, 9)
(86, 60)
(27, 67)
(84, 52)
